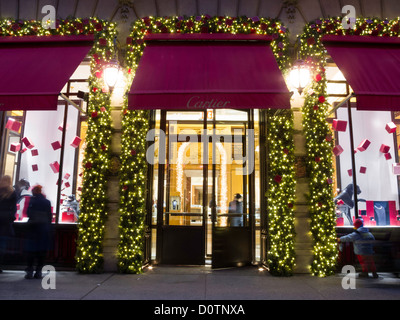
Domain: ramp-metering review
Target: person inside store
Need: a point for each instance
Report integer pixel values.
(363, 248)
(39, 232)
(8, 207)
(346, 198)
(23, 197)
(235, 219)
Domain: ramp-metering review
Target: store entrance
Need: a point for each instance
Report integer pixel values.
(205, 190)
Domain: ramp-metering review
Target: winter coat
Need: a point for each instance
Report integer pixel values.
(362, 241)
(39, 224)
(8, 207)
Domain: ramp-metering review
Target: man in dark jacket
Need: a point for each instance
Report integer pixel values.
(39, 225)
(363, 247)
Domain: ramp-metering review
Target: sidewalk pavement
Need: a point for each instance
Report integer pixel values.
(195, 283)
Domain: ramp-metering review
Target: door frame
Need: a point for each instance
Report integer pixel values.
(159, 259)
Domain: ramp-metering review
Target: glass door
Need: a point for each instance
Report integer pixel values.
(203, 201)
(232, 148)
(181, 214)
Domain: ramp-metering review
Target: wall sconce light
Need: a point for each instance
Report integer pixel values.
(112, 70)
(299, 76)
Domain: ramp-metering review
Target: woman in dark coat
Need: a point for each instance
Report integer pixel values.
(8, 208)
(39, 227)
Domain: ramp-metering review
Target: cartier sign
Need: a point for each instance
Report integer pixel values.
(197, 102)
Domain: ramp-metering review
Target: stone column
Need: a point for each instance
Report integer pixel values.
(303, 244)
(111, 237)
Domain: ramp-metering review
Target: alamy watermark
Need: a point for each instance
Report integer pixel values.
(349, 280)
(49, 20)
(49, 277)
(349, 20)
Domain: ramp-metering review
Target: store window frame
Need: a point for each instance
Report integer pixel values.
(72, 96)
(336, 160)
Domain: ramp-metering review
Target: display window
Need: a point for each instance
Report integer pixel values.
(41, 152)
(376, 154)
(46, 148)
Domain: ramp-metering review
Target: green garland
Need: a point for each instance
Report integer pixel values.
(98, 138)
(133, 191)
(96, 161)
(135, 126)
(281, 193)
(318, 134)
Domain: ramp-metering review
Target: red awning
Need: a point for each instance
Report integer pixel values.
(197, 71)
(371, 66)
(34, 69)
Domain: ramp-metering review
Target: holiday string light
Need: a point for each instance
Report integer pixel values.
(318, 133)
(135, 125)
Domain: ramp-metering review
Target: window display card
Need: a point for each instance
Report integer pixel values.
(13, 125)
(339, 125)
(364, 145)
(390, 127)
(28, 143)
(75, 143)
(337, 150)
(15, 147)
(34, 152)
(55, 166)
(384, 148)
(56, 145)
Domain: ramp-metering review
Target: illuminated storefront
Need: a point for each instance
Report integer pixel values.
(197, 162)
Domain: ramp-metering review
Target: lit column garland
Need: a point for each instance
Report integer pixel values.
(281, 193)
(135, 125)
(98, 138)
(89, 255)
(318, 133)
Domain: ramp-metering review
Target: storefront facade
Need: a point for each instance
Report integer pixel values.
(158, 184)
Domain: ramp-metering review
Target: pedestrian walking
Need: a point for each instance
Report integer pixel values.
(8, 208)
(39, 228)
(363, 248)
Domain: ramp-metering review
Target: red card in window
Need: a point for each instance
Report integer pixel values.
(364, 145)
(339, 125)
(390, 127)
(75, 143)
(27, 142)
(337, 150)
(13, 125)
(56, 145)
(15, 147)
(55, 166)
